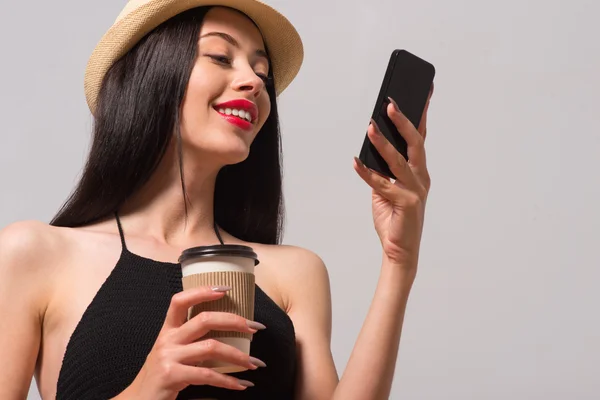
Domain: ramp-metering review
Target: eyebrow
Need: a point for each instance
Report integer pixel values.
(235, 43)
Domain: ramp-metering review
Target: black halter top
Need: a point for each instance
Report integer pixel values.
(118, 329)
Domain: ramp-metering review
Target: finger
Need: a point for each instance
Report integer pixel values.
(211, 349)
(423, 124)
(403, 124)
(208, 321)
(391, 192)
(205, 376)
(414, 140)
(182, 301)
(397, 163)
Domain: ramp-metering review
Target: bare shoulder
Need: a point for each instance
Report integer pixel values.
(28, 257)
(28, 249)
(291, 262)
(299, 272)
(24, 243)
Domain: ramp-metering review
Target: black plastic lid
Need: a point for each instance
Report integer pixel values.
(234, 250)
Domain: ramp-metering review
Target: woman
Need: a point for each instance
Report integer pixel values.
(92, 303)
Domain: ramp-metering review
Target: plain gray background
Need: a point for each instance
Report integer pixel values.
(505, 304)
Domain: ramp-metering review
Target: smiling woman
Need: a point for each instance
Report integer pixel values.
(186, 151)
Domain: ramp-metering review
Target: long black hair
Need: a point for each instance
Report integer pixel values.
(137, 114)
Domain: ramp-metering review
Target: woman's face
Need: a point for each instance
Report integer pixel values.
(226, 102)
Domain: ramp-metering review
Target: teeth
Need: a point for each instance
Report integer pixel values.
(246, 115)
(243, 114)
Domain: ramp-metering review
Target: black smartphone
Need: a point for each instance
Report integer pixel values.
(407, 80)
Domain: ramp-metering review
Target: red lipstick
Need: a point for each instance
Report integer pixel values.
(239, 104)
(240, 123)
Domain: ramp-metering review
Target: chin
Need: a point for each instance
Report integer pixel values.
(226, 148)
(234, 159)
(233, 154)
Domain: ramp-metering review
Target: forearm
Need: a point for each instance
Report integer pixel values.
(370, 370)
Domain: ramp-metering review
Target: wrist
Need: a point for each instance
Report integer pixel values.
(405, 262)
(403, 270)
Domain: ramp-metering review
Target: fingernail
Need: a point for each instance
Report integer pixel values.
(377, 130)
(362, 165)
(245, 383)
(256, 325)
(257, 362)
(220, 289)
(394, 103)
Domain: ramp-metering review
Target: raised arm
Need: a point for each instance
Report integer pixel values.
(398, 215)
(370, 369)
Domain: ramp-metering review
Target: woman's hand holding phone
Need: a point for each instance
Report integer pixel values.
(399, 206)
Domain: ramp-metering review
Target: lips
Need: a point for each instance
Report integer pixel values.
(237, 121)
(239, 104)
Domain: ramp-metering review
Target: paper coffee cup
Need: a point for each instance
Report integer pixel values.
(223, 265)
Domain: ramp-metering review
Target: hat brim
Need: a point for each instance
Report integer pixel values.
(281, 38)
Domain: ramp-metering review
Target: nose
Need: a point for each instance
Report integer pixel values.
(247, 81)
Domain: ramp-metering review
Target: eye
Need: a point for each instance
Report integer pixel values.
(268, 80)
(264, 78)
(221, 59)
(224, 60)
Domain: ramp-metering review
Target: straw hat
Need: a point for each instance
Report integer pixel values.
(139, 17)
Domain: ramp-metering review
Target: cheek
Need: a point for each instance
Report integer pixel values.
(265, 107)
(199, 90)
(194, 109)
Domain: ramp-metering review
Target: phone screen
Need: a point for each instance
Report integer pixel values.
(408, 81)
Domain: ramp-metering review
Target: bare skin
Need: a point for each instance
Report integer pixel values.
(84, 259)
(63, 268)
(49, 275)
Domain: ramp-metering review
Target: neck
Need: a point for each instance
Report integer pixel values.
(158, 209)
